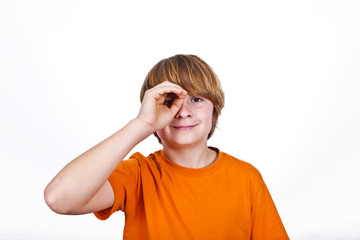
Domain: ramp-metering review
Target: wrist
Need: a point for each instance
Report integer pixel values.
(144, 126)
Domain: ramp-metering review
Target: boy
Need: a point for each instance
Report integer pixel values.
(185, 191)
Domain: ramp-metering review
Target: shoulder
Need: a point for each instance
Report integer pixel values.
(239, 166)
(137, 158)
(138, 161)
(238, 163)
(242, 172)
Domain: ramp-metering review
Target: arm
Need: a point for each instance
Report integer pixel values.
(82, 186)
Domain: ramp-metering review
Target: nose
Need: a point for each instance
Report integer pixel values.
(185, 111)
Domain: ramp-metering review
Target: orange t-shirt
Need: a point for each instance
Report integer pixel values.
(162, 200)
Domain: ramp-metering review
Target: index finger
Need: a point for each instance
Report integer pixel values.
(168, 88)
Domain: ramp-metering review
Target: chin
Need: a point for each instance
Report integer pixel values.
(183, 139)
(183, 142)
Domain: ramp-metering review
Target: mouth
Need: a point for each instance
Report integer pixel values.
(183, 127)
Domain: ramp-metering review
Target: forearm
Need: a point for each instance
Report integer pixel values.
(81, 179)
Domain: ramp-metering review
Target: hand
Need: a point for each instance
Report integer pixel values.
(160, 104)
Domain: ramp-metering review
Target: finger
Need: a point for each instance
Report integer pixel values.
(176, 105)
(162, 92)
(169, 85)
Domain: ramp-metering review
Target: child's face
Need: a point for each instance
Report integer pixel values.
(191, 124)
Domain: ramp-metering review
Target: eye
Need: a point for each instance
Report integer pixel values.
(169, 99)
(197, 99)
(168, 102)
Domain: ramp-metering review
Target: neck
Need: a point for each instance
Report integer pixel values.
(191, 156)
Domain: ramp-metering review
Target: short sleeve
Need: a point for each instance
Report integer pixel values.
(123, 182)
(266, 221)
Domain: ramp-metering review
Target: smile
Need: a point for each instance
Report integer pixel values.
(185, 127)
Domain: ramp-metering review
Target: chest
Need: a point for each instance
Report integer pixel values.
(215, 205)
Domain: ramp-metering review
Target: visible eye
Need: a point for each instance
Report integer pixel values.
(196, 99)
(168, 102)
(169, 99)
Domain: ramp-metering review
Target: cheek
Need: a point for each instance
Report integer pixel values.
(162, 132)
(207, 117)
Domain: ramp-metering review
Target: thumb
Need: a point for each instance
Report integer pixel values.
(176, 105)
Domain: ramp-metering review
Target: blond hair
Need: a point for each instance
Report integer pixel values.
(192, 74)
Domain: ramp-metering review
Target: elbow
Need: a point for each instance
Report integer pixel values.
(54, 201)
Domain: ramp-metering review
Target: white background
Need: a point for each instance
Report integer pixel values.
(71, 72)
